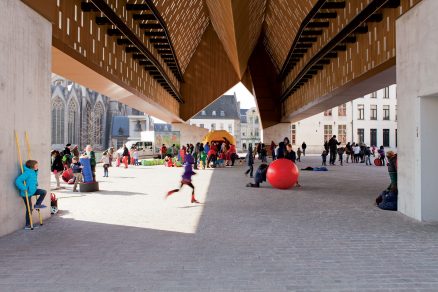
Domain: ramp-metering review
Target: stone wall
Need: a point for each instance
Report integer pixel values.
(25, 64)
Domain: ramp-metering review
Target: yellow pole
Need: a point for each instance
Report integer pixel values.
(29, 156)
(22, 170)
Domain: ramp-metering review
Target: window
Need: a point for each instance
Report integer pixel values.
(201, 125)
(396, 138)
(213, 113)
(243, 134)
(386, 92)
(373, 137)
(256, 132)
(360, 111)
(293, 134)
(374, 95)
(386, 137)
(328, 113)
(222, 114)
(342, 133)
(373, 112)
(96, 126)
(244, 146)
(203, 113)
(361, 135)
(73, 122)
(386, 112)
(230, 129)
(57, 121)
(256, 120)
(327, 132)
(213, 126)
(342, 110)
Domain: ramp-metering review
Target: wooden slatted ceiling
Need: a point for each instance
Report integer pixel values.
(238, 25)
(373, 50)
(208, 76)
(186, 22)
(282, 21)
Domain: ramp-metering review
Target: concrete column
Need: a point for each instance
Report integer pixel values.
(417, 93)
(25, 68)
(189, 134)
(276, 133)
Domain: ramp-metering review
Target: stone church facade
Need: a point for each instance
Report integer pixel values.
(81, 116)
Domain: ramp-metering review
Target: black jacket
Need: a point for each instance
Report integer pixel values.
(57, 164)
(333, 144)
(291, 156)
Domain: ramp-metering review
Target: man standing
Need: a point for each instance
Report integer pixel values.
(163, 151)
(304, 146)
(333, 145)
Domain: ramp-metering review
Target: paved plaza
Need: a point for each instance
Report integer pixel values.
(325, 236)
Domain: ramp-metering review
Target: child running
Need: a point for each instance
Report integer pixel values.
(28, 182)
(186, 177)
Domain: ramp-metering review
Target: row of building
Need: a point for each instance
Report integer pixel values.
(81, 116)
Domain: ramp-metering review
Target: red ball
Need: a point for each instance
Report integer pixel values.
(282, 174)
(377, 162)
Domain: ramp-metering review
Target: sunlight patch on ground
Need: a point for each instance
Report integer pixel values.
(135, 197)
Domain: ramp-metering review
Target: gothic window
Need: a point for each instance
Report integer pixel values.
(57, 121)
(87, 124)
(98, 124)
(73, 122)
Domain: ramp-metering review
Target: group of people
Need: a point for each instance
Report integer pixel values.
(284, 150)
(355, 152)
(208, 155)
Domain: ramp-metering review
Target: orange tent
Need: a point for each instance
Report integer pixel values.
(219, 136)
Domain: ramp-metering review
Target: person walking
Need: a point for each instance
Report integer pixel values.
(341, 151)
(299, 152)
(126, 157)
(304, 147)
(57, 167)
(348, 151)
(250, 161)
(368, 156)
(272, 148)
(333, 145)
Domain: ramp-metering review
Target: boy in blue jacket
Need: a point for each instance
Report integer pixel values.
(28, 181)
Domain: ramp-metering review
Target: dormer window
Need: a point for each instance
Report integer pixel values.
(222, 114)
(203, 113)
(213, 113)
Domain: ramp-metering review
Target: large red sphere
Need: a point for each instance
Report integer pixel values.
(282, 174)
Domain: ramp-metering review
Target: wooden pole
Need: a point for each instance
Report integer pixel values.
(22, 170)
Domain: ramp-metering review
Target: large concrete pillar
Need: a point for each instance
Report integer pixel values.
(417, 94)
(25, 43)
(276, 133)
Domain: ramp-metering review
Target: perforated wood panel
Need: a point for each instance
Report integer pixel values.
(238, 25)
(208, 75)
(282, 21)
(186, 22)
(373, 50)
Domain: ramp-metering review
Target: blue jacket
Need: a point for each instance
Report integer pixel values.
(29, 176)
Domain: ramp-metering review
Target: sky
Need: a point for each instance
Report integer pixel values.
(242, 94)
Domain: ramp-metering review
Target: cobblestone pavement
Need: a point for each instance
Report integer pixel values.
(325, 236)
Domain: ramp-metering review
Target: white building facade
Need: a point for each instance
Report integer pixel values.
(371, 119)
(222, 114)
(250, 128)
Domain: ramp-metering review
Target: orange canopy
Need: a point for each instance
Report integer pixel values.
(219, 136)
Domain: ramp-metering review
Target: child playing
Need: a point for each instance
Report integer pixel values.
(106, 163)
(203, 159)
(341, 151)
(324, 158)
(76, 167)
(260, 176)
(57, 167)
(186, 177)
(135, 156)
(299, 152)
(28, 182)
